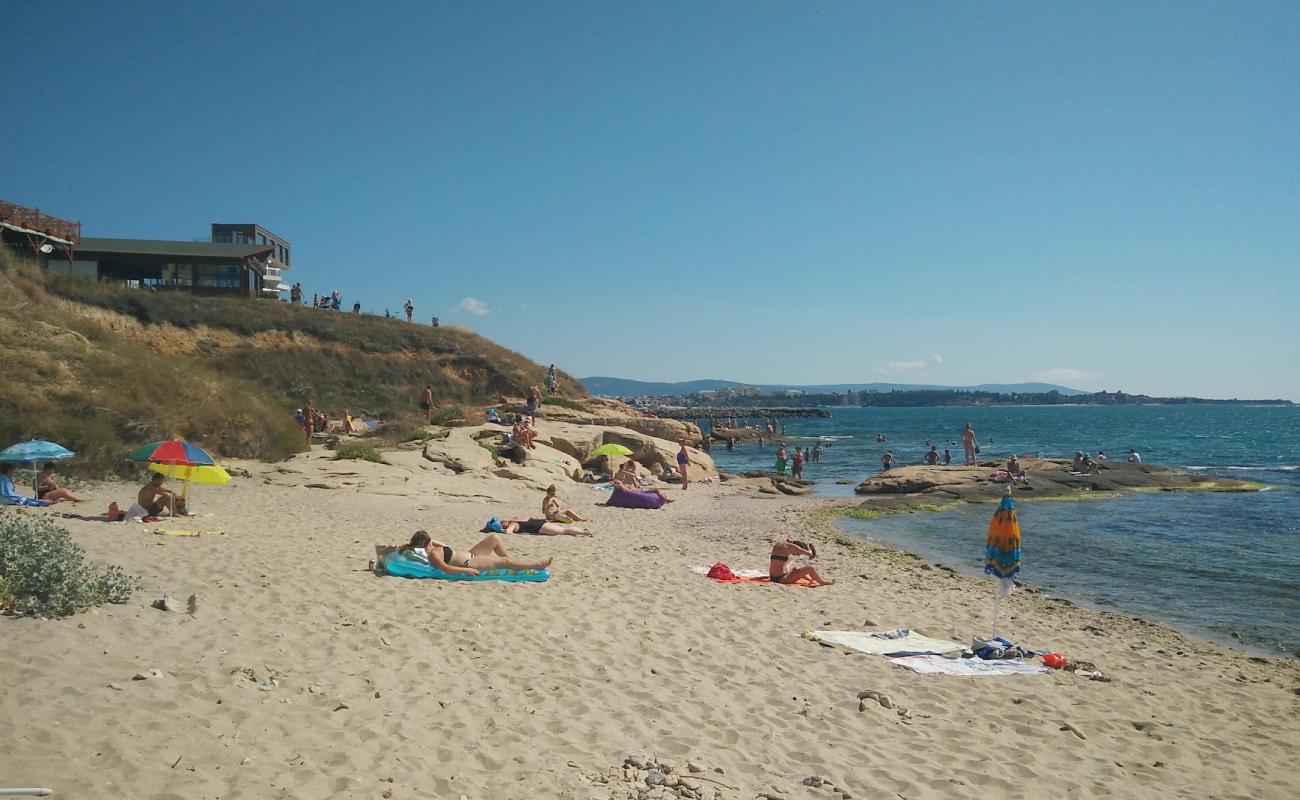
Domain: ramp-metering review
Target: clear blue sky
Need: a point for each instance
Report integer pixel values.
(1104, 195)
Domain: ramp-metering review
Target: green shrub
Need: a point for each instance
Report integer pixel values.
(44, 573)
(359, 451)
(446, 416)
(562, 402)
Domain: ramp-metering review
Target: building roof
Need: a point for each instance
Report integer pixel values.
(158, 247)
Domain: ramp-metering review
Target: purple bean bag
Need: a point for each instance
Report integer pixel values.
(624, 499)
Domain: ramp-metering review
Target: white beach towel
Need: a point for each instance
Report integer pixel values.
(739, 573)
(882, 644)
(968, 667)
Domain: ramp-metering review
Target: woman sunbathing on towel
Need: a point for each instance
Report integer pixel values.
(541, 527)
(627, 480)
(779, 569)
(554, 513)
(487, 554)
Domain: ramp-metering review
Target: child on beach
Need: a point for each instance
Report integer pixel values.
(780, 571)
(552, 511)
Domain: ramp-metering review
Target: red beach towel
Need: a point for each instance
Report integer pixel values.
(722, 574)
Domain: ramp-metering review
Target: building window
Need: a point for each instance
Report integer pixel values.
(218, 277)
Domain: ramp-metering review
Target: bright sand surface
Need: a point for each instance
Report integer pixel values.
(302, 675)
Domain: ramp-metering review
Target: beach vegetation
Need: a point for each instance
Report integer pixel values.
(103, 369)
(44, 572)
(358, 451)
(562, 402)
(448, 415)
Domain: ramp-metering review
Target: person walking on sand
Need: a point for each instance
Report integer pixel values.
(780, 571)
(551, 384)
(683, 461)
(409, 308)
(308, 422)
(969, 444)
(426, 402)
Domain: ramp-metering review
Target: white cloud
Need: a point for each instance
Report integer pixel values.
(1061, 375)
(475, 307)
(906, 366)
(912, 365)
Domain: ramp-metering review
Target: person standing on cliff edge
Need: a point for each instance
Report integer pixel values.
(969, 444)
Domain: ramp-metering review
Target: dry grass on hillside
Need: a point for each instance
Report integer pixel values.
(103, 370)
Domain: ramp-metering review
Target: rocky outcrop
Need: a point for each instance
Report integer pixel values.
(579, 440)
(610, 413)
(1047, 478)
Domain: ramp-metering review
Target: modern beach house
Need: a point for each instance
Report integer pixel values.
(243, 259)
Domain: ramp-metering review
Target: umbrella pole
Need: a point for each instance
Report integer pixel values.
(997, 598)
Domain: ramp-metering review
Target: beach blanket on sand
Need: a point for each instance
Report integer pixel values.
(748, 576)
(398, 565)
(967, 667)
(877, 644)
(173, 532)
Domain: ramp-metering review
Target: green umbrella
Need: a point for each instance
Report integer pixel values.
(611, 450)
(144, 452)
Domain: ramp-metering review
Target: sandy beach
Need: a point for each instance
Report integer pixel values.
(303, 675)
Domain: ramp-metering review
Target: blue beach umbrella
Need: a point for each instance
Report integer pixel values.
(34, 452)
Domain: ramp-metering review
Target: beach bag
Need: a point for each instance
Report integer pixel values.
(721, 572)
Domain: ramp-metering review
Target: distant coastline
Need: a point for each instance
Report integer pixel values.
(694, 405)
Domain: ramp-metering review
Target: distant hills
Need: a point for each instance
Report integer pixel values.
(625, 387)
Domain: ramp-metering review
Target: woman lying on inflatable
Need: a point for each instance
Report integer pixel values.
(489, 554)
(628, 492)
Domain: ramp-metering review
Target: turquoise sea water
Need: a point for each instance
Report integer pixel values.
(1214, 565)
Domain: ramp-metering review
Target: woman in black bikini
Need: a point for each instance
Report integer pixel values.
(779, 570)
(540, 527)
(487, 554)
(49, 490)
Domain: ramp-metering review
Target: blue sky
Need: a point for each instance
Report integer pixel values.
(1105, 195)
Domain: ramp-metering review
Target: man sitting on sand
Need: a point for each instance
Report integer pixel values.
(780, 571)
(1016, 471)
(155, 499)
(490, 553)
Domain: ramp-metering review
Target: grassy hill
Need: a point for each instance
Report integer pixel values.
(103, 370)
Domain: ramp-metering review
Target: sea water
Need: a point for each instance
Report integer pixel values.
(1223, 566)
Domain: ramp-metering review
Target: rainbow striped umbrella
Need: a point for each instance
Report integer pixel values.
(1002, 551)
